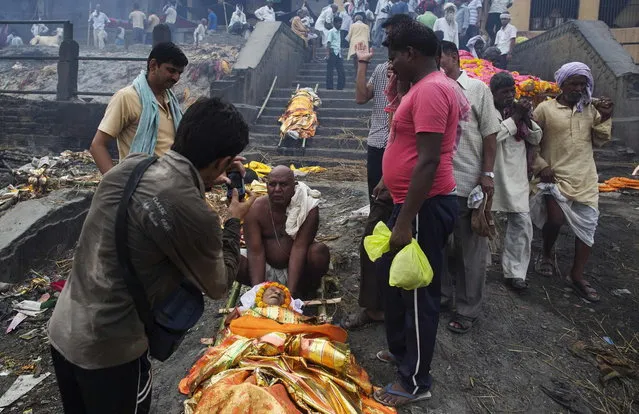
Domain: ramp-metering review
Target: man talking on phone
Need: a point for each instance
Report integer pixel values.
(280, 235)
(98, 342)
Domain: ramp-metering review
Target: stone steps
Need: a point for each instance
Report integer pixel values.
(317, 152)
(279, 104)
(343, 124)
(334, 122)
(318, 141)
(323, 130)
(323, 93)
(324, 112)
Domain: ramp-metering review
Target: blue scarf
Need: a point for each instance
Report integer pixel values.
(146, 137)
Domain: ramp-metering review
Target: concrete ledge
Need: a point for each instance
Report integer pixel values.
(257, 45)
(36, 231)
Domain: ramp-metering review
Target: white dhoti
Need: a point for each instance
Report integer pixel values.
(516, 247)
(271, 274)
(99, 35)
(581, 218)
(324, 34)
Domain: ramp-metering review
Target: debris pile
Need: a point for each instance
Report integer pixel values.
(41, 175)
(207, 63)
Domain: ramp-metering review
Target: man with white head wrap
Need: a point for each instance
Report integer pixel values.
(505, 40)
(237, 24)
(496, 9)
(564, 163)
(448, 24)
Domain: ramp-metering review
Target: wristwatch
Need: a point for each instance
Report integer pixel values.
(488, 174)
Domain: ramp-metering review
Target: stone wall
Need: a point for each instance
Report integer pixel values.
(39, 230)
(272, 49)
(614, 72)
(42, 127)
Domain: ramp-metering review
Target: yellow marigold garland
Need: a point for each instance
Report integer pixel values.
(259, 302)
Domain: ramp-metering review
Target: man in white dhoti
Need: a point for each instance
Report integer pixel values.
(568, 192)
(280, 235)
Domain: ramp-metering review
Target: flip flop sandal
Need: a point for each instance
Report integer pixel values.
(465, 324)
(586, 291)
(410, 398)
(387, 357)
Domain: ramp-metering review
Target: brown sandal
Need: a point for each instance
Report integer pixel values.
(461, 324)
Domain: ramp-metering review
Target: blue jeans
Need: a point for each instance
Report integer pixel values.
(379, 35)
(411, 317)
(138, 35)
(335, 63)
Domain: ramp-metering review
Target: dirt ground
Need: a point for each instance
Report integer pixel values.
(521, 347)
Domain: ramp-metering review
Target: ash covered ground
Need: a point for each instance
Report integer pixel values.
(102, 76)
(528, 354)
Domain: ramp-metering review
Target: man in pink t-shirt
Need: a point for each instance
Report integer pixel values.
(418, 171)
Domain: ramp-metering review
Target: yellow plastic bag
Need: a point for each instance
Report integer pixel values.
(410, 268)
(377, 243)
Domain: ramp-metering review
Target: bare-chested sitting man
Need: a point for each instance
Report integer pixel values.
(280, 235)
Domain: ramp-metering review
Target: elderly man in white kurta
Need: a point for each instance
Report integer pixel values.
(511, 178)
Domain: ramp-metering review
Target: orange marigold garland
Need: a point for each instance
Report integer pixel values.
(259, 302)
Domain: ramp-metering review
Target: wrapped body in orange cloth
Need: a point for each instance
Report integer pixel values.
(275, 360)
(300, 119)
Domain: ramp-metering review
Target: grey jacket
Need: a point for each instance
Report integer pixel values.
(173, 234)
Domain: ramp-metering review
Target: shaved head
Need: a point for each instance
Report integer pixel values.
(281, 186)
(282, 172)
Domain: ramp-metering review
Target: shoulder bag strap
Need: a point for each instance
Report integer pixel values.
(133, 284)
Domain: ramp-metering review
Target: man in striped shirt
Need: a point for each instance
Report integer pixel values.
(473, 165)
(474, 21)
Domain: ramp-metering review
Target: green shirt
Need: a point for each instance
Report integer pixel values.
(335, 41)
(427, 19)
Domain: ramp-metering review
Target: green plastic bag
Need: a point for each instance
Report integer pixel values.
(410, 268)
(377, 243)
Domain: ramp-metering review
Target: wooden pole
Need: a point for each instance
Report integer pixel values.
(314, 302)
(268, 96)
(226, 20)
(234, 293)
(89, 27)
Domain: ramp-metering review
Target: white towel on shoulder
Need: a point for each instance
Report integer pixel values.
(304, 200)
